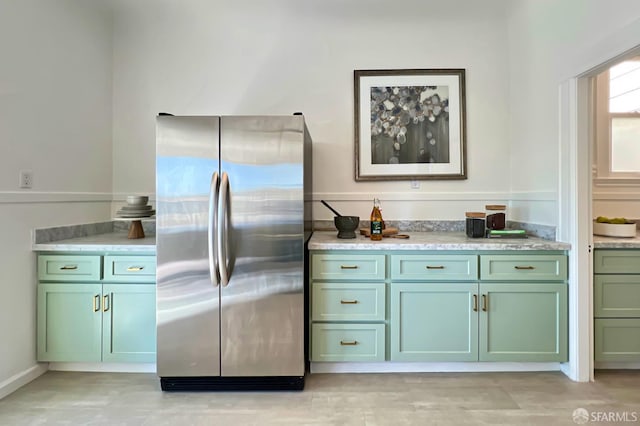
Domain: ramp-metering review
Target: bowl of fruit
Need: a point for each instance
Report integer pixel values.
(614, 227)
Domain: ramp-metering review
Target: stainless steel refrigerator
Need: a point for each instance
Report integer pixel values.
(233, 216)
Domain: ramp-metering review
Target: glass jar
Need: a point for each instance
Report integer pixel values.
(475, 224)
(496, 216)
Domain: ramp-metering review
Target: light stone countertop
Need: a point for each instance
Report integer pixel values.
(616, 242)
(109, 242)
(325, 240)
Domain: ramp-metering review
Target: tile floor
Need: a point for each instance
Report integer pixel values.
(545, 398)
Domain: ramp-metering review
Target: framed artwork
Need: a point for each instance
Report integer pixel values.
(410, 124)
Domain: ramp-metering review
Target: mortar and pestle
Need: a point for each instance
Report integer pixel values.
(346, 225)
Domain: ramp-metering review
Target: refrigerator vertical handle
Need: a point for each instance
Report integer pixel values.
(223, 234)
(212, 228)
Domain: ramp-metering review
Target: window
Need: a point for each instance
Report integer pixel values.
(618, 122)
(624, 117)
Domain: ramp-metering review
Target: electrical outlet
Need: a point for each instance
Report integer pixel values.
(26, 179)
(415, 184)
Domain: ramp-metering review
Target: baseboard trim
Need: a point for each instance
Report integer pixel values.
(103, 367)
(15, 382)
(430, 367)
(610, 365)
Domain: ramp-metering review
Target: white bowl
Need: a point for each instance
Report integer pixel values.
(137, 200)
(624, 230)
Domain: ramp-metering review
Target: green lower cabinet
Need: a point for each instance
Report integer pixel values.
(616, 305)
(434, 322)
(523, 322)
(506, 322)
(69, 322)
(444, 306)
(94, 322)
(129, 323)
(617, 339)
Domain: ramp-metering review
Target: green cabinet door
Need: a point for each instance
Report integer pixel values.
(434, 322)
(69, 322)
(129, 323)
(523, 322)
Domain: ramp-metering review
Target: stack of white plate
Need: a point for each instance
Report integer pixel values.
(136, 207)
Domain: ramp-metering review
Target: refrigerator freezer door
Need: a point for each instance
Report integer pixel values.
(188, 291)
(262, 307)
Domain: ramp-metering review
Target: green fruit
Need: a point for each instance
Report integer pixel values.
(615, 220)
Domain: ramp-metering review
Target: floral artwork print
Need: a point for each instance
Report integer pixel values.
(409, 124)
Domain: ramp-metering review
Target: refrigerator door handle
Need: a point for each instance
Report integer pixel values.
(213, 222)
(223, 234)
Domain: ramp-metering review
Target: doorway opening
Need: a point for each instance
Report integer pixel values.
(577, 146)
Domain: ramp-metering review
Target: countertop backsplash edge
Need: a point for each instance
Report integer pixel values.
(546, 232)
(66, 232)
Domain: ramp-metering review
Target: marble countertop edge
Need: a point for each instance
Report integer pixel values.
(321, 240)
(600, 241)
(432, 241)
(108, 242)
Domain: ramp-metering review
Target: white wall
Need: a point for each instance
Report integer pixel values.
(246, 57)
(549, 42)
(55, 119)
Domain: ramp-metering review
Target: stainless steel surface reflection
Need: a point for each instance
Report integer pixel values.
(262, 307)
(188, 320)
(245, 317)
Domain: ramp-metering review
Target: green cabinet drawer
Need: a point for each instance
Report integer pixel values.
(130, 268)
(439, 267)
(523, 267)
(348, 302)
(347, 267)
(348, 342)
(616, 261)
(69, 268)
(617, 296)
(617, 340)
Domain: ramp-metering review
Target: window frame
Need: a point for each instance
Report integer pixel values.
(602, 171)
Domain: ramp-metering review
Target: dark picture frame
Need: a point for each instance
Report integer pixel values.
(410, 124)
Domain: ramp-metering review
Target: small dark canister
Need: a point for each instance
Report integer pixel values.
(496, 216)
(475, 224)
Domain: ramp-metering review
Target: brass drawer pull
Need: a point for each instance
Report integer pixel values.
(348, 266)
(475, 303)
(524, 267)
(135, 268)
(105, 303)
(96, 303)
(69, 268)
(348, 302)
(435, 267)
(348, 343)
(485, 304)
